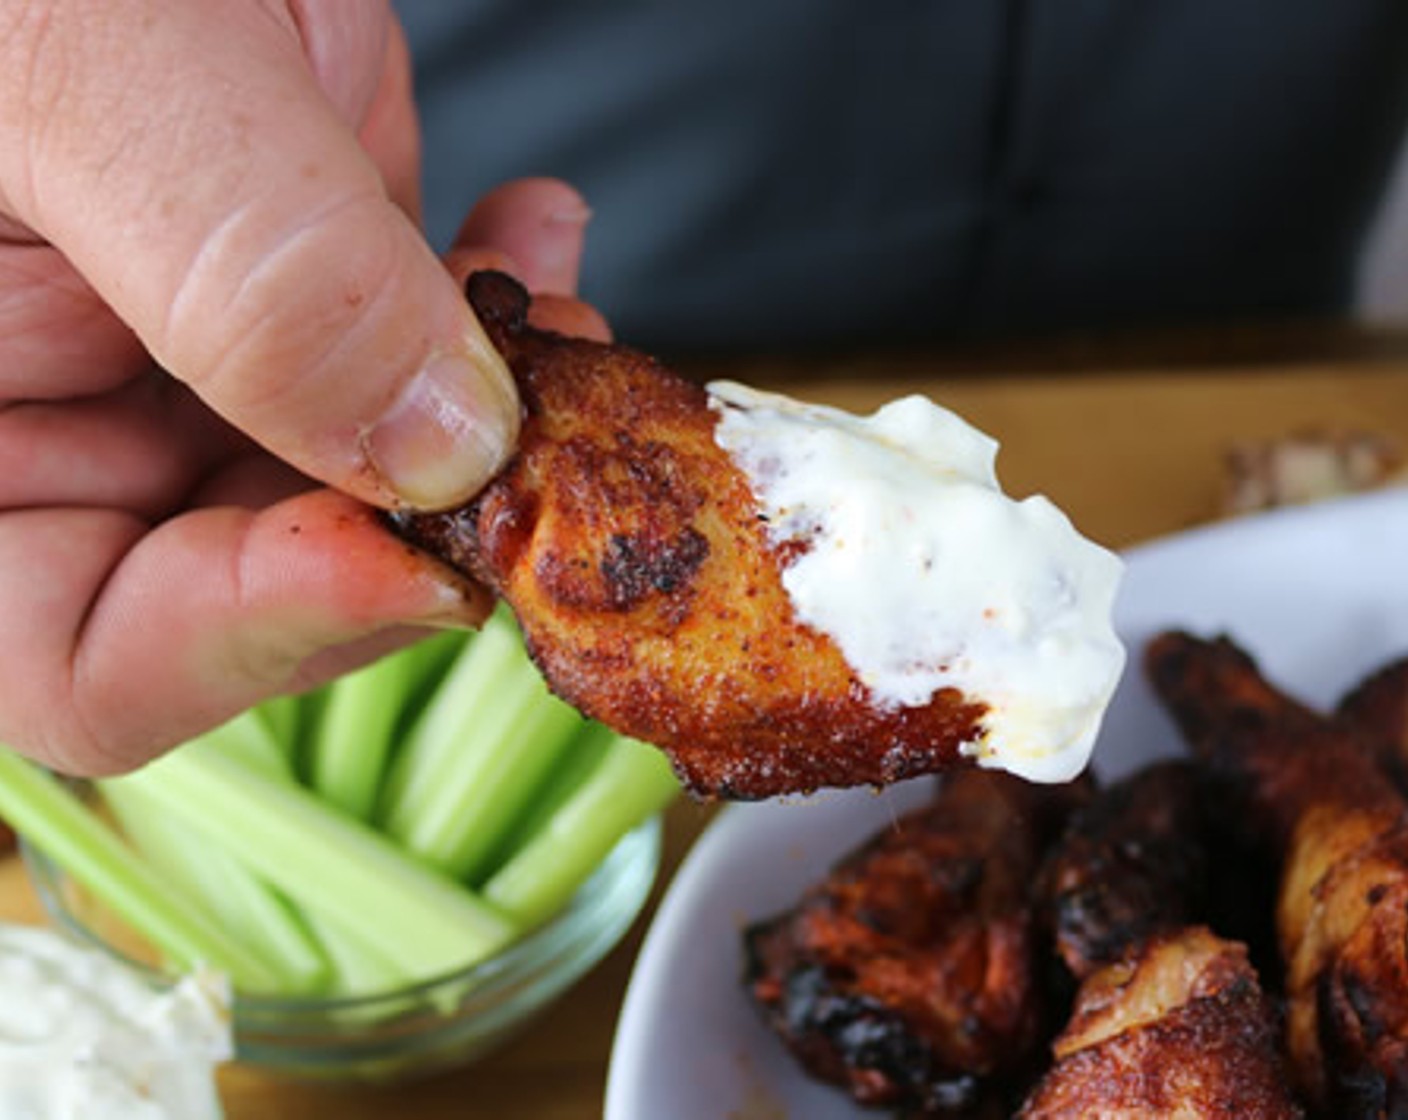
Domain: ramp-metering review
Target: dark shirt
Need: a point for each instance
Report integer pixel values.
(785, 171)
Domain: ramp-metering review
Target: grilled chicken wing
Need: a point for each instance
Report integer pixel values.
(1169, 1019)
(1280, 756)
(1178, 1027)
(913, 974)
(1312, 786)
(629, 546)
(1131, 863)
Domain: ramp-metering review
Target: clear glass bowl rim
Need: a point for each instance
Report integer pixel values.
(594, 909)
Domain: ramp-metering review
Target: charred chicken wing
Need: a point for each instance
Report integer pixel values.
(1131, 863)
(1178, 1027)
(913, 975)
(649, 582)
(1312, 787)
(1169, 1019)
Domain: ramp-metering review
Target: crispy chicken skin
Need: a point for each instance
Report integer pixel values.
(630, 549)
(1169, 1019)
(1313, 788)
(1131, 863)
(913, 974)
(1178, 1027)
(1280, 756)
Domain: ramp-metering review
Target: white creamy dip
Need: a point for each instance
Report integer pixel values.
(927, 576)
(84, 1038)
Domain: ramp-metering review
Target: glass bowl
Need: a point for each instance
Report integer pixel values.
(420, 1029)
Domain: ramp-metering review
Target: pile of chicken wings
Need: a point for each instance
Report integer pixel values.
(1223, 934)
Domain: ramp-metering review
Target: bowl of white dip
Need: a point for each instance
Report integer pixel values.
(83, 1035)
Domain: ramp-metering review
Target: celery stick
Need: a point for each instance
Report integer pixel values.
(222, 886)
(281, 715)
(498, 766)
(57, 823)
(354, 737)
(584, 754)
(334, 866)
(490, 657)
(351, 968)
(630, 784)
(311, 705)
(360, 723)
(255, 909)
(358, 968)
(435, 656)
(248, 739)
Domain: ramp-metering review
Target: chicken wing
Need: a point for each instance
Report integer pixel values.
(1313, 789)
(1130, 864)
(1169, 1019)
(633, 551)
(1179, 1027)
(913, 975)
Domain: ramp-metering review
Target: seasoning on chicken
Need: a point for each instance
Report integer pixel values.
(913, 974)
(1178, 1027)
(1311, 788)
(649, 583)
(1128, 887)
(1131, 863)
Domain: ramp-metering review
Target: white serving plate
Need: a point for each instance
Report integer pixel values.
(1318, 595)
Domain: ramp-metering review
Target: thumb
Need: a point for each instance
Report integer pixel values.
(186, 160)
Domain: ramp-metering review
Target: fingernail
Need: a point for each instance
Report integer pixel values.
(576, 213)
(461, 604)
(449, 432)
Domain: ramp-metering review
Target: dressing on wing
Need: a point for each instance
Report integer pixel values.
(630, 535)
(926, 576)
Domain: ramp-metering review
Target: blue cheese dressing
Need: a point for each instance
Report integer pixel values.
(927, 576)
(82, 1037)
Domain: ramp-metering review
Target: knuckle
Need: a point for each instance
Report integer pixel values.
(262, 322)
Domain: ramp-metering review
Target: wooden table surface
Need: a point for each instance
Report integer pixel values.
(1128, 439)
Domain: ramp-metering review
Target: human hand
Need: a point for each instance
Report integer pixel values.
(228, 189)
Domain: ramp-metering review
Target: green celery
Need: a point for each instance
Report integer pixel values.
(489, 656)
(358, 967)
(57, 823)
(497, 751)
(336, 867)
(630, 784)
(473, 761)
(361, 720)
(281, 715)
(222, 886)
(435, 656)
(587, 750)
(249, 739)
(311, 705)
(351, 968)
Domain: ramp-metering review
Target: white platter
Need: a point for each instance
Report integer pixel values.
(1318, 595)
